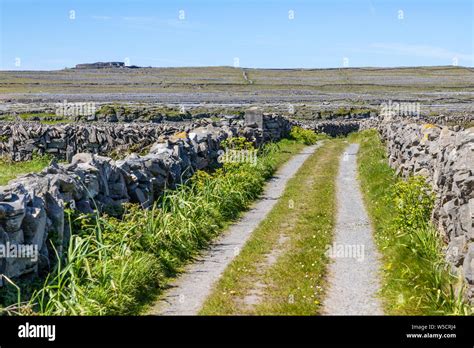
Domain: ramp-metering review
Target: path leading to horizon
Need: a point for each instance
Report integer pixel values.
(189, 291)
(353, 275)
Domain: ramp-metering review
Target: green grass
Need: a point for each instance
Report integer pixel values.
(44, 118)
(10, 170)
(118, 266)
(416, 280)
(304, 219)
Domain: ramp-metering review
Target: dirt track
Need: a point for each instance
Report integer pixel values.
(188, 293)
(353, 274)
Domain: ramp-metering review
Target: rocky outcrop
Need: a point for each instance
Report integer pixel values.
(32, 207)
(446, 158)
(100, 65)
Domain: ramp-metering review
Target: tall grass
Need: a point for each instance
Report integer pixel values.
(416, 278)
(116, 266)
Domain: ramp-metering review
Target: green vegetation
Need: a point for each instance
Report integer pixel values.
(280, 270)
(345, 111)
(114, 266)
(237, 143)
(306, 136)
(145, 113)
(131, 113)
(416, 279)
(107, 110)
(43, 118)
(465, 125)
(10, 170)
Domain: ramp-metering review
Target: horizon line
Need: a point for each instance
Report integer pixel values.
(248, 68)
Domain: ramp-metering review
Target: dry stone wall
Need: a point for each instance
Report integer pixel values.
(20, 141)
(446, 158)
(340, 127)
(32, 206)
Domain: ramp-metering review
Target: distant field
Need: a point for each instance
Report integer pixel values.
(227, 84)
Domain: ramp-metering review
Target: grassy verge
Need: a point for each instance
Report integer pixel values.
(281, 268)
(10, 170)
(416, 280)
(117, 266)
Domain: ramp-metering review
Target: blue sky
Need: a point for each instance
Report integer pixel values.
(40, 35)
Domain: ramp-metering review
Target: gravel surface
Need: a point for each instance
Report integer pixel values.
(188, 293)
(353, 274)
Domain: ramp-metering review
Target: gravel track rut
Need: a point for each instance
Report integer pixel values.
(354, 271)
(189, 291)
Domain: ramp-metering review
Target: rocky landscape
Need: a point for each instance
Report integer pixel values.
(303, 93)
(133, 145)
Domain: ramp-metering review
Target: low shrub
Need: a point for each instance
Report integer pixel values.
(413, 202)
(306, 136)
(237, 143)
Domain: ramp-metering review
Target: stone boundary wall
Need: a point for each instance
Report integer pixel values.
(19, 141)
(340, 127)
(32, 206)
(343, 126)
(446, 158)
(442, 120)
